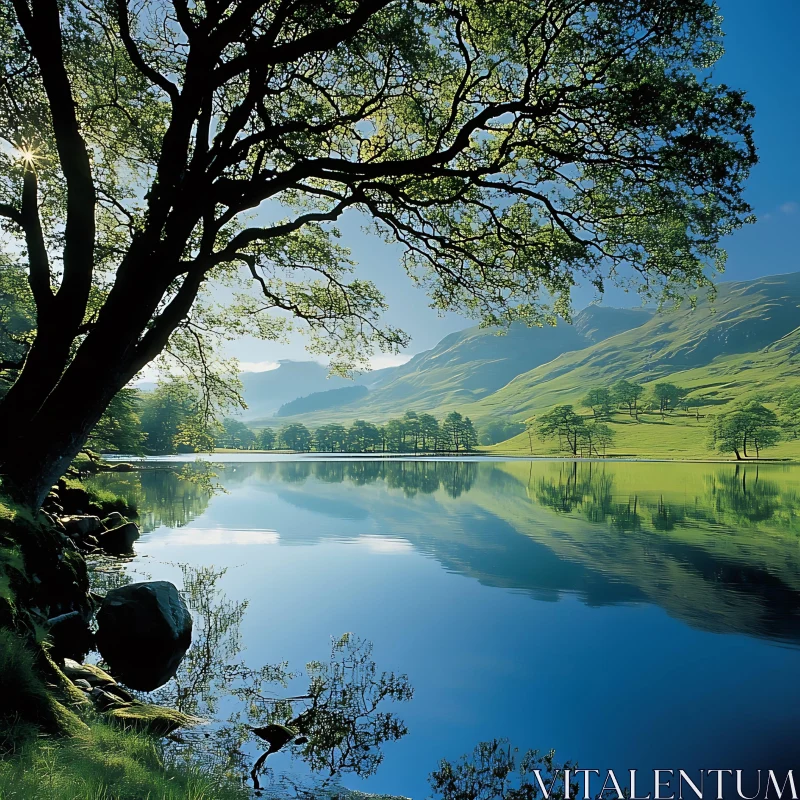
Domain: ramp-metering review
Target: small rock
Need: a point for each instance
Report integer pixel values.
(119, 541)
(82, 683)
(114, 520)
(93, 675)
(92, 540)
(74, 499)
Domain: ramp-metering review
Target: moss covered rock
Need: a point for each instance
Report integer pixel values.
(147, 718)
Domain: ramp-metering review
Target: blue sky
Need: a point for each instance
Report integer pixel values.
(761, 45)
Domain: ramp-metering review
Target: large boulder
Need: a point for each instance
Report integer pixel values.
(144, 630)
(119, 541)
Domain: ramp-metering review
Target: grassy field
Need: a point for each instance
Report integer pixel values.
(678, 436)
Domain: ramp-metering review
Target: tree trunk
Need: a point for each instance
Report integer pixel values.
(37, 453)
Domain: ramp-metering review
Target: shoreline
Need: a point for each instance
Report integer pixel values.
(183, 458)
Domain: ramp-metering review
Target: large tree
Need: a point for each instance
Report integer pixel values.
(749, 425)
(563, 422)
(510, 147)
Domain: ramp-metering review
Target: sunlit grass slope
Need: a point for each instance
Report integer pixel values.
(744, 344)
(678, 436)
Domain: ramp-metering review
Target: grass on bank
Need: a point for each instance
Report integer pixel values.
(104, 763)
(102, 502)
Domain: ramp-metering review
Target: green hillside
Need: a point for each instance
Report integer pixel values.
(743, 346)
(472, 364)
(743, 342)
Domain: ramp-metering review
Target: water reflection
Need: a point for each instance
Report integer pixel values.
(713, 545)
(737, 496)
(161, 496)
(339, 723)
(411, 477)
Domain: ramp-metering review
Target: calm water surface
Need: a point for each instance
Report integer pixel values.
(628, 615)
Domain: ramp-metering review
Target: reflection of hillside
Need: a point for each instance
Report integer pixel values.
(738, 496)
(715, 546)
(717, 558)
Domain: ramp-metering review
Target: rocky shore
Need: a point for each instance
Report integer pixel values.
(46, 601)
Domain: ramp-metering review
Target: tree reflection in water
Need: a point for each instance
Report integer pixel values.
(412, 477)
(495, 771)
(740, 497)
(341, 720)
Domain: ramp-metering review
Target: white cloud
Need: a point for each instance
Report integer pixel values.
(258, 366)
(383, 360)
(789, 208)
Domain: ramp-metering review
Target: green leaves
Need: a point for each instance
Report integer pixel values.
(751, 425)
(512, 149)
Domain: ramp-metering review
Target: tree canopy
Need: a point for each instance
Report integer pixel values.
(627, 394)
(750, 425)
(511, 148)
(667, 396)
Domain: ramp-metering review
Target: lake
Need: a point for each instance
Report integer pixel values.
(628, 615)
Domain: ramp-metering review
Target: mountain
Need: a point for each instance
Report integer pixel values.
(471, 364)
(266, 392)
(745, 342)
(319, 401)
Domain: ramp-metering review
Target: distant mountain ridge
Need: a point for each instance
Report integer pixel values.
(265, 392)
(746, 341)
(320, 401)
(463, 367)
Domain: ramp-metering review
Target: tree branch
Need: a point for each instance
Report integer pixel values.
(153, 75)
(38, 262)
(42, 28)
(11, 365)
(12, 213)
(318, 41)
(155, 340)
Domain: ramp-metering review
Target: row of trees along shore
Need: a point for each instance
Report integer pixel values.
(168, 420)
(412, 433)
